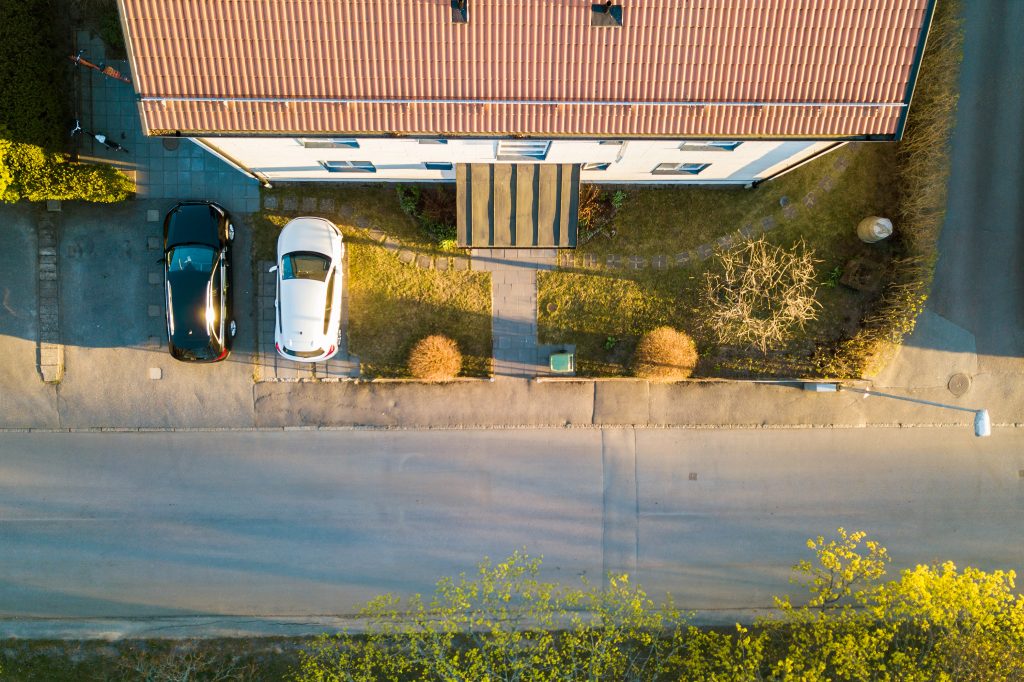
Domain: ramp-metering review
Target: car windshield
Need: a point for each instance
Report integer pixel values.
(190, 258)
(305, 265)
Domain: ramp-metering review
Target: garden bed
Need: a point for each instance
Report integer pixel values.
(605, 308)
(391, 304)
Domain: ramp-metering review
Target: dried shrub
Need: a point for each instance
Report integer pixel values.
(435, 358)
(665, 354)
(760, 294)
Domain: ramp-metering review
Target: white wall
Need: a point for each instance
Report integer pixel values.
(285, 158)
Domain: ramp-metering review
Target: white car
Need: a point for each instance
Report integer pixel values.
(308, 299)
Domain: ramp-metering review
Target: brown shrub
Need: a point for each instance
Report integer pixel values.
(435, 358)
(665, 354)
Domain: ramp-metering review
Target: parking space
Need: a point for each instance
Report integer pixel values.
(118, 371)
(273, 367)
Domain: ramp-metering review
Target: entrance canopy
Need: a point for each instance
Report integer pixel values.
(527, 205)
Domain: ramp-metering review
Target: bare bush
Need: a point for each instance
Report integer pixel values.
(760, 294)
(435, 358)
(665, 354)
(183, 664)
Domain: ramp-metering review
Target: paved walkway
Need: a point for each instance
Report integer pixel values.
(516, 352)
(164, 168)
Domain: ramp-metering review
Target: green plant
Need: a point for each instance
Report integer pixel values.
(449, 245)
(33, 174)
(665, 354)
(435, 358)
(834, 276)
(618, 199)
(433, 208)
(33, 82)
(610, 342)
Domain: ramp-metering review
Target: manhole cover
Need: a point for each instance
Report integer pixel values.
(171, 143)
(959, 384)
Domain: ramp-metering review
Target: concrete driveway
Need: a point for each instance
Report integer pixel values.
(25, 400)
(118, 370)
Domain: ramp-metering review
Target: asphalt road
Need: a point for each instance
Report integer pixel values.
(270, 524)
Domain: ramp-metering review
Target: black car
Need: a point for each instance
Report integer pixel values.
(197, 281)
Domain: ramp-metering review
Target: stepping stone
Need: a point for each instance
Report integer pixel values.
(704, 251)
(377, 235)
(784, 201)
(460, 263)
(589, 260)
(811, 199)
(152, 215)
(726, 242)
(406, 256)
(827, 183)
(441, 264)
(659, 262)
(843, 162)
(308, 204)
(637, 262)
(614, 261)
(683, 258)
(748, 231)
(153, 243)
(153, 310)
(391, 245)
(789, 212)
(291, 204)
(768, 223)
(156, 277)
(270, 202)
(327, 205)
(423, 261)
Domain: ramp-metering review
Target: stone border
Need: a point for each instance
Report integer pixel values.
(50, 361)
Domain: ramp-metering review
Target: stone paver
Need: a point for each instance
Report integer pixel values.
(50, 362)
(514, 308)
(185, 171)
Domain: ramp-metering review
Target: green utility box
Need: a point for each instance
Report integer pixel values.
(563, 363)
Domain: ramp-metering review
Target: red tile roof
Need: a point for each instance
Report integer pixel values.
(679, 68)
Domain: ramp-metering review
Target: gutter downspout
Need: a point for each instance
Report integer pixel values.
(231, 161)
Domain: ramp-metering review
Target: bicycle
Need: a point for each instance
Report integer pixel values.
(101, 67)
(99, 137)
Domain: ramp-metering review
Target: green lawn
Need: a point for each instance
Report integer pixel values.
(391, 305)
(605, 311)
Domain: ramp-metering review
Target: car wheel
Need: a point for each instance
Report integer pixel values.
(233, 327)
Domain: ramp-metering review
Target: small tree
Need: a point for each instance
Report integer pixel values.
(665, 354)
(435, 358)
(761, 294)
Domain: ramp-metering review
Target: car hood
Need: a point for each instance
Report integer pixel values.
(188, 304)
(307, 234)
(302, 314)
(192, 224)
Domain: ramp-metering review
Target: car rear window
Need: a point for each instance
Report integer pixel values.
(304, 265)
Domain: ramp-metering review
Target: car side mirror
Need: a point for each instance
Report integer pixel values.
(273, 268)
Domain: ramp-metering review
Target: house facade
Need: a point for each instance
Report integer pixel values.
(644, 91)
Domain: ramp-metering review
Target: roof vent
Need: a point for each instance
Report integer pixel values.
(606, 14)
(460, 12)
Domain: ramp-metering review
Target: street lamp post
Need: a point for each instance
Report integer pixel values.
(982, 422)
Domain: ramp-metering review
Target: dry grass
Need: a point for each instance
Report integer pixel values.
(435, 358)
(665, 354)
(760, 294)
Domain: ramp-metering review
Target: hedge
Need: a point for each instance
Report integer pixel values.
(29, 172)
